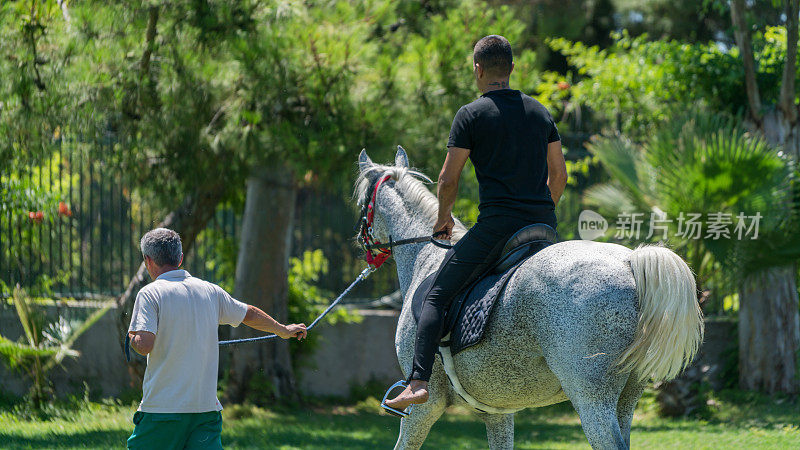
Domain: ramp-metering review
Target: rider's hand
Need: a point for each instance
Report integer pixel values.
(297, 330)
(445, 227)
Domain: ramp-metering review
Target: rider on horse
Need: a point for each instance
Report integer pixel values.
(515, 147)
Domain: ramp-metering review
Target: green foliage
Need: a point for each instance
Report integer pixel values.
(32, 198)
(307, 301)
(33, 100)
(685, 20)
(635, 84)
(216, 251)
(433, 69)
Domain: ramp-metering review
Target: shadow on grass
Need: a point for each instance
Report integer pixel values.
(365, 431)
(77, 440)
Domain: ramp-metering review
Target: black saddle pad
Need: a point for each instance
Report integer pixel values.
(469, 313)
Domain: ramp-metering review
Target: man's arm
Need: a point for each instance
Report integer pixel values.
(448, 189)
(556, 171)
(142, 341)
(258, 319)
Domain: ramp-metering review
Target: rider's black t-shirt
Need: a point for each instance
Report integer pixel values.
(507, 133)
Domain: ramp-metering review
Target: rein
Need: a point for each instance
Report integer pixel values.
(371, 243)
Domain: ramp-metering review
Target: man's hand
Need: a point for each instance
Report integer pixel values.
(297, 330)
(258, 319)
(444, 227)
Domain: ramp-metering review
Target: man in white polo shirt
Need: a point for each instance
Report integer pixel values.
(174, 322)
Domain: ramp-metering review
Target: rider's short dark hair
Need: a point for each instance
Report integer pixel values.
(493, 53)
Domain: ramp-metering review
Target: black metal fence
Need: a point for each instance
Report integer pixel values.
(70, 224)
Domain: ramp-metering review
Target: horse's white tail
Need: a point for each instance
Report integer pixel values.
(670, 327)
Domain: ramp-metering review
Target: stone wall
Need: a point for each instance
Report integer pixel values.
(348, 355)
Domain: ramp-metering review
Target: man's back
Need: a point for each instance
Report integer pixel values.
(507, 133)
(184, 313)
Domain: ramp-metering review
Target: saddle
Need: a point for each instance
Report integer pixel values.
(465, 321)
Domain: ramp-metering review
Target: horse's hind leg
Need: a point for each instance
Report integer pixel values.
(600, 424)
(499, 430)
(627, 403)
(595, 399)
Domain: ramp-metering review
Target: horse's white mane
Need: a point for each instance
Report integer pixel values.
(413, 192)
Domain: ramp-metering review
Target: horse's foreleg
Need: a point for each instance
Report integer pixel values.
(414, 428)
(499, 430)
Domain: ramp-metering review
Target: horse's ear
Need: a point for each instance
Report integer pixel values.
(401, 159)
(364, 162)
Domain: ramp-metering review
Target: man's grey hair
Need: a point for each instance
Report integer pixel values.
(163, 246)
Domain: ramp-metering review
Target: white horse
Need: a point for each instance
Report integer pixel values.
(582, 321)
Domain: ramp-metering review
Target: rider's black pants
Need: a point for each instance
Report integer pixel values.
(462, 265)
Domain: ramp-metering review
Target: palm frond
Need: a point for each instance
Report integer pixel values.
(66, 347)
(708, 163)
(623, 161)
(610, 199)
(31, 319)
(16, 354)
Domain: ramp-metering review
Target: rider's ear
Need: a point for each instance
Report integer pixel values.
(401, 159)
(364, 162)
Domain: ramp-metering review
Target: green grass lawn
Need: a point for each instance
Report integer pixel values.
(738, 420)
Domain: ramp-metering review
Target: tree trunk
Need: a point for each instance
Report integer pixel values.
(188, 221)
(769, 331)
(780, 130)
(262, 281)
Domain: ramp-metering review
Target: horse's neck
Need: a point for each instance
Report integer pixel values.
(414, 261)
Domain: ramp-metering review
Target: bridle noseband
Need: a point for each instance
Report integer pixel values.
(376, 252)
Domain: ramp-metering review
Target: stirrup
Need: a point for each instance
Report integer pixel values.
(400, 384)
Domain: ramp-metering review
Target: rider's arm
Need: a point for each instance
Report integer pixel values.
(448, 181)
(258, 319)
(556, 171)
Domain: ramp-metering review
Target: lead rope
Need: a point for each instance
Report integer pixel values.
(361, 277)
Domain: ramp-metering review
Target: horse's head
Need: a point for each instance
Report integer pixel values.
(380, 185)
(401, 203)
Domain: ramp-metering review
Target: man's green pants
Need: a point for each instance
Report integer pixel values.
(176, 431)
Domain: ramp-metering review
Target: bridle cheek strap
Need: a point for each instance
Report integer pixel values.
(367, 239)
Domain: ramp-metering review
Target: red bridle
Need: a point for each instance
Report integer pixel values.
(368, 240)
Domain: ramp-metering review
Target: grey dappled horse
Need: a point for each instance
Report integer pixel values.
(582, 321)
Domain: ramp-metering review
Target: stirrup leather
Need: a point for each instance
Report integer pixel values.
(400, 384)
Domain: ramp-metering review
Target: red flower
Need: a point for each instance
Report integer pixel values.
(36, 217)
(563, 85)
(64, 210)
